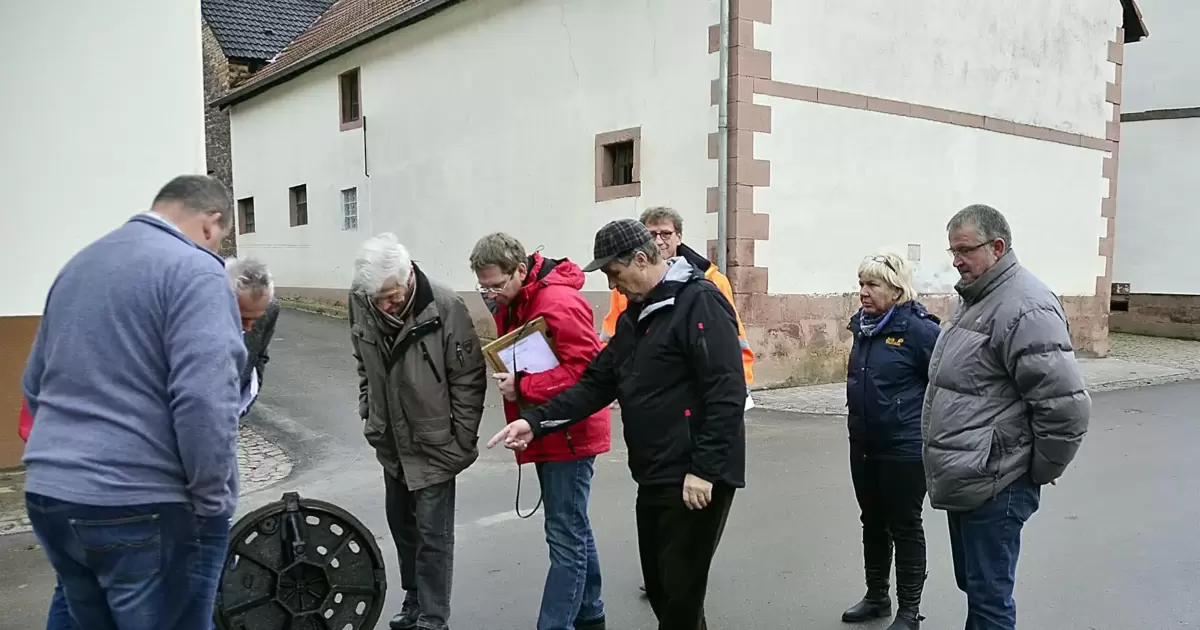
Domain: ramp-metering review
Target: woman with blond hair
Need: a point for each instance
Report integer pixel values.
(894, 337)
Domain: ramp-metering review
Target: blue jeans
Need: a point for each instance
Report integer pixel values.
(138, 567)
(59, 617)
(985, 543)
(572, 592)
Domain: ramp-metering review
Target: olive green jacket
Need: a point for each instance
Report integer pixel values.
(421, 393)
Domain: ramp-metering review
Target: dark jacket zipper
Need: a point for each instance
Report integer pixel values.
(429, 360)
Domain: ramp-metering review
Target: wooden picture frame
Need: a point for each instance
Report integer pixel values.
(491, 352)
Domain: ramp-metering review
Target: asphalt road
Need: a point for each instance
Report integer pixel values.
(1114, 546)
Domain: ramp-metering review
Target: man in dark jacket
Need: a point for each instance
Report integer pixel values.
(255, 291)
(518, 289)
(1005, 412)
(675, 365)
(422, 384)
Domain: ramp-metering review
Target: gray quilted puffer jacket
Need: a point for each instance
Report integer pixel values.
(1006, 395)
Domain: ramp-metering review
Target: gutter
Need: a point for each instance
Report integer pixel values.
(407, 18)
(723, 143)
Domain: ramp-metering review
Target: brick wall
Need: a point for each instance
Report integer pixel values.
(1158, 315)
(216, 121)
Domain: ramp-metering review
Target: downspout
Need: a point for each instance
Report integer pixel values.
(723, 142)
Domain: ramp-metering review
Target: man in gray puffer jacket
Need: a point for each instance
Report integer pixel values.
(1005, 411)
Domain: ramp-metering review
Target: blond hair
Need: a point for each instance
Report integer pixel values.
(891, 270)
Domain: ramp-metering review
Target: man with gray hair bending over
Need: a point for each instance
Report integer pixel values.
(255, 290)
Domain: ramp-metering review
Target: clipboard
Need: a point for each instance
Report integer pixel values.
(527, 349)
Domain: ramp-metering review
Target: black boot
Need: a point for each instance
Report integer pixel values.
(595, 624)
(874, 605)
(409, 612)
(906, 619)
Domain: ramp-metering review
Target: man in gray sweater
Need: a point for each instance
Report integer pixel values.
(131, 466)
(1005, 411)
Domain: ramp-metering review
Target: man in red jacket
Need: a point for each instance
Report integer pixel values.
(519, 288)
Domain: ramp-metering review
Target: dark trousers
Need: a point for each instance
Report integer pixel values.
(891, 496)
(985, 543)
(422, 524)
(677, 545)
(572, 590)
(137, 567)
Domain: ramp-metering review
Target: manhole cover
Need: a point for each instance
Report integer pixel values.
(299, 564)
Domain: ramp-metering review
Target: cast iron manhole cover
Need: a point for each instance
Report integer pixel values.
(301, 564)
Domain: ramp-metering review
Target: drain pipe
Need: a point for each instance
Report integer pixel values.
(723, 142)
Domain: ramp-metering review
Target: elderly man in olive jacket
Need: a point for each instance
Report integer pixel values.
(1005, 412)
(422, 383)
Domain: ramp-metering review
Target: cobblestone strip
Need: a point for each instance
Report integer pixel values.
(260, 464)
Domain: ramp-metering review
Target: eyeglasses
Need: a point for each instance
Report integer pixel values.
(663, 234)
(959, 252)
(882, 260)
(494, 289)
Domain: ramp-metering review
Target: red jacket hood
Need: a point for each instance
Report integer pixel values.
(544, 272)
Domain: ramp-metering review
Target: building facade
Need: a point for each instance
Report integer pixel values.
(92, 150)
(1157, 283)
(854, 126)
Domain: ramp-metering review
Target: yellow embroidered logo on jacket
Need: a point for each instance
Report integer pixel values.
(892, 341)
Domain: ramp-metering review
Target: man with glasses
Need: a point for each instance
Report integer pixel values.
(519, 288)
(666, 226)
(422, 383)
(1005, 412)
(675, 365)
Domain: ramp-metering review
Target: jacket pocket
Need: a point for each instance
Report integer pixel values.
(432, 431)
(429, 361)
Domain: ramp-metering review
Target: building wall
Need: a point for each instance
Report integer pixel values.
(482, 118)
(854, 137)
(74, 167)
(216, 120)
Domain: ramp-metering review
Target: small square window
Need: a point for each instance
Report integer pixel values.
(298, 205)
(350, 209)
(350, 96)
(246, 215)
(618, 164)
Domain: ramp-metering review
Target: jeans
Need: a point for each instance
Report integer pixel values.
(422, 524)
(60, 616)
(891, 497)
(985, 543)
(676, 545)
(572, 591)
(136, 567)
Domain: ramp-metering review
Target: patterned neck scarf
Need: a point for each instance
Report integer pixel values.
(869, 324)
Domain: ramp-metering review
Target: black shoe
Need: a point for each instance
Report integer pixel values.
(870, 607)
(595, 624)
(409, 613)
(906, 619)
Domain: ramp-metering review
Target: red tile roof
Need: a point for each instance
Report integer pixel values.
(346, 25)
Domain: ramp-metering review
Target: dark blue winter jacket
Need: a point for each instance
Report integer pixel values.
(886, 379)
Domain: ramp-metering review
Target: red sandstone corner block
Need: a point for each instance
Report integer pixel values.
(753, 10)
(750, 172)
(741, 254)
(1108, 208)
(1112, 93)
(750, 225)
(741, 90)
(741, 33)
(748, 279)
(750, 117)
(1116, 52)
(741, 198)
(750, 62)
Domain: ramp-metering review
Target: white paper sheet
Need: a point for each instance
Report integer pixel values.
(530, 355)
(749, 402)
(248, 397)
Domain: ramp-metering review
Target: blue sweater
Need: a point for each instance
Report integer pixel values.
(133, 376)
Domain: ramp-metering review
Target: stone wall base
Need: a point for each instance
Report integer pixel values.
(803, 339)
(797, 339)
(1158, 315)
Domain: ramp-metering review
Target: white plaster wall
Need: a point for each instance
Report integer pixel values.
(1160, 71)
(483, 118)
(847, 183)
(1157, 221)
(98, 113)
(1038, 62)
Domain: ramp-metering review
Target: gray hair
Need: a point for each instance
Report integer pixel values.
(892, 270)
(987, 221)
(648, 248)
(660, 214)
(199, 194)
(250, 275)
(498, 249)
(380, 258)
